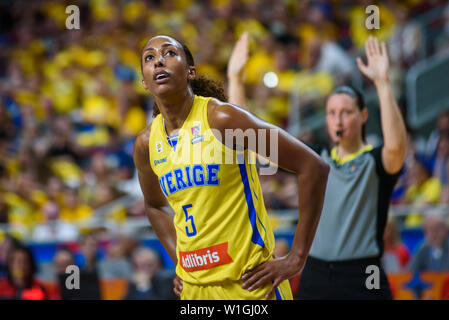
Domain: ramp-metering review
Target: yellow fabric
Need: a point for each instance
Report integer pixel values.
(256, 67)
(20, 211)
(360, 33)
(314, 84)
(133, 11)
(68, 171)
(100, 110)
(135, 121)
(103, 10)
(98, 137)
(232, 290)
(78, 214)
(428, 192)
(349, 157)
(56, 11)
(216, 218)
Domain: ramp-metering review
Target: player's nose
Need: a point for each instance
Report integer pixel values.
(159, 61)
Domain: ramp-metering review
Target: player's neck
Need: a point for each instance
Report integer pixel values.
(175, 109)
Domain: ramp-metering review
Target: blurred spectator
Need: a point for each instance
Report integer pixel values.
(73, 211)
(423, 188)
(329, 57)
(148, 282)
(115, 265)
(288, 193)
(396, 255)
(3, 209)
(62, 259)
(21, 282)
(401, 186)
(89, 253)
(442, 126)
(433, 254)
(440, 166)
(54, 229)
(406, 41)
(89, 274)
(6, 246)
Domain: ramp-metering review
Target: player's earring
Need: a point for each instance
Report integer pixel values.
(190, 73)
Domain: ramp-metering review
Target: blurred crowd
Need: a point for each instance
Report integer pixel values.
(71, 101)
(139, 267)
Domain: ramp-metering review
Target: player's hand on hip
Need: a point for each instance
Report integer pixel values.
(177, 286)
(377, 68)
(273, 271)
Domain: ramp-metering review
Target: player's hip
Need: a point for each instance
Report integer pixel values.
(232, 290)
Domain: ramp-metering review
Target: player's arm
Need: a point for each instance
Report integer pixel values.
(393, 127)
(294, 156)
(156, 206)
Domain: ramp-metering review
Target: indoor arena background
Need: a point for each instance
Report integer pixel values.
(72, 102)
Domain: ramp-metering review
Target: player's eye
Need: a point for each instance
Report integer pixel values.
(171, 53)
(149, 57)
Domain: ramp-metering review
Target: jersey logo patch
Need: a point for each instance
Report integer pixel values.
(156, 162)
(159, 146)
(205, 258)
(196, 135)
(354, 169)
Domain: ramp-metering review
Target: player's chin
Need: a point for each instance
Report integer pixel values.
(162, 90)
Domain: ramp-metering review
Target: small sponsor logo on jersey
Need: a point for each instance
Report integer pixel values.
(205, 258)
(196, 135)
(159, 161)
(354, 169)
(159, 146)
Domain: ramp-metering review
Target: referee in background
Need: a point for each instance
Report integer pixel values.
(349, 235)
(348, 239)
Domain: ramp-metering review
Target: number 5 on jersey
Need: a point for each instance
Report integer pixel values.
(193, 232)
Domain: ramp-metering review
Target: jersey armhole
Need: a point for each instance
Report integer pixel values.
(208, 127)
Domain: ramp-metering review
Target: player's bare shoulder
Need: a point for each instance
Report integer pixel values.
(222, 115)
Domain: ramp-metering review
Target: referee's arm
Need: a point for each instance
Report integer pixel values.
(393, 128)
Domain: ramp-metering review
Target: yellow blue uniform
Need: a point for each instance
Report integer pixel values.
(220, 219)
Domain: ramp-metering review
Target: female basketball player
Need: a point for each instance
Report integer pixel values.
(348, 242)
(220, 238)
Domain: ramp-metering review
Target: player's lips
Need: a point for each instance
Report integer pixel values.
(161, 77)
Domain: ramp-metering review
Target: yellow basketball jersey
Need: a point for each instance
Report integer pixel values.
(221, 222)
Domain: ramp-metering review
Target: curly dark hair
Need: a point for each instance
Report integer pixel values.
(201, 85)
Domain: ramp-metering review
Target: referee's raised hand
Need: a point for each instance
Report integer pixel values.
(377, 68)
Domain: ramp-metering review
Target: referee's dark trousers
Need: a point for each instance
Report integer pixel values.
(343, 280)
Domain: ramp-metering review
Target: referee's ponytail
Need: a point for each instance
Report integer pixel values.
(357, 96)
